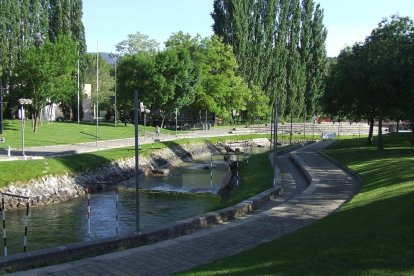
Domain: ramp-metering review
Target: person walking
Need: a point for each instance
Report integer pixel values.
(157, 131)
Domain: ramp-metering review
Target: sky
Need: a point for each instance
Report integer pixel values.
(108, 22)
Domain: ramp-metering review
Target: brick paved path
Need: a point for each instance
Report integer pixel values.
(330, 187)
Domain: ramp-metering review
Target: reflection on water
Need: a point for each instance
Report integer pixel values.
(66, 222)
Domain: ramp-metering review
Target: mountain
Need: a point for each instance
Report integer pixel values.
(107, 57)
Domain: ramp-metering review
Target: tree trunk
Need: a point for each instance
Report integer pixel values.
(371, 131)
(162, 121)
(35, 115)
(380, 144)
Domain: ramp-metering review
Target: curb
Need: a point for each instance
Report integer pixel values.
(352, 173)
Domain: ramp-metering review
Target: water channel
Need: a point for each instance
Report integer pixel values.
(186, 191)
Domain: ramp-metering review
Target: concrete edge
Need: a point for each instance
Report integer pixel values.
(61, 254)
(352, 173)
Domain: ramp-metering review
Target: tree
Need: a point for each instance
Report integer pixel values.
(46, 73)
(279, 46)
(371, 79)
(27, 23)
(106, 81)
(136, 43)
(306, 52)
(220, 90)
(385, 52)
(182, 78)
(295, 68)
(316, 68)
(135, 72)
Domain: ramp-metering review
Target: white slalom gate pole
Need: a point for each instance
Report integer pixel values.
(25, 226)
(3, 213)
(211, 172)
(117, 210)
(89, 211)
(237, 171)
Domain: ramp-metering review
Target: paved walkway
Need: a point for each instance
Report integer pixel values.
(61, 150)
(299, 206)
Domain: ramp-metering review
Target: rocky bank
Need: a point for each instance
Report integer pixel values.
(57, 188)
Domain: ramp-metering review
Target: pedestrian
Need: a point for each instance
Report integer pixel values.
(157, 131)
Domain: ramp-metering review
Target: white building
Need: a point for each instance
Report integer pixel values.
(88, 109)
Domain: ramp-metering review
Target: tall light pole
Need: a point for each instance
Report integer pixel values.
(1, 111)
(23, 102)
(176, 123)
(97, 93)
(136, 159)
(143, 109)
(275, 143)
(116, 109)
(78, 92)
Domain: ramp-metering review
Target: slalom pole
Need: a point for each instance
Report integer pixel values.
(237, 171)
(211, 172)
(4, 225)
(117, 210)
(25, 226)
(89, 211)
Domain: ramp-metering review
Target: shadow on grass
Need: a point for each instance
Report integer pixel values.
(372, 239)
(10, 126)
(82, 162)
(179, 151)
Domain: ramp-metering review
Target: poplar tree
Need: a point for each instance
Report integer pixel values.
(275, 43)
(280, 58)
(306, 50)
(295, 67)
(317, 68)
(55, 19)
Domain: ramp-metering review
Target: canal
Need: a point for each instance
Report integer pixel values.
(188, 190)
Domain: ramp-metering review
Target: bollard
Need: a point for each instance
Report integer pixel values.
(8, 152)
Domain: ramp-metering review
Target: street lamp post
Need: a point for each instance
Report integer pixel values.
(275, 142)
(146, 111)
(23, 102)
(97, 93)
(116, 109)
(78, 93)
(136, 159)
(1, 112)
(176, 123)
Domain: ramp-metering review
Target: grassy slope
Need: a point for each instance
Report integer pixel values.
(59, 133)
(373, 234)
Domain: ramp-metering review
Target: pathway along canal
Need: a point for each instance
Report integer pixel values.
(185, 192)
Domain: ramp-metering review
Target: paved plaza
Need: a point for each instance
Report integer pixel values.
(301, 204)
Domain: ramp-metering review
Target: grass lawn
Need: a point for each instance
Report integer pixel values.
(60, 133)
(373, 234)
(256, 177)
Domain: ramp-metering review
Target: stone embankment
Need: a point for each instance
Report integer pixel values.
(57, 188)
